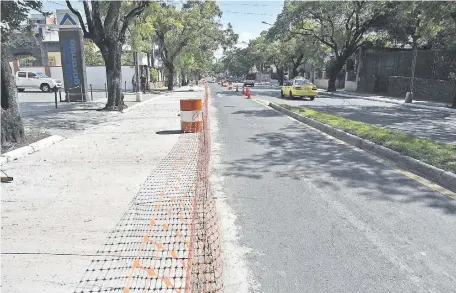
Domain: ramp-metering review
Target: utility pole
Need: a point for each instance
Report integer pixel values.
(138, 85)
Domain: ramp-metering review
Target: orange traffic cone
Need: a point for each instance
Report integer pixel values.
(247, 93)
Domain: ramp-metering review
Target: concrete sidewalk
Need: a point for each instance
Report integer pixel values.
(65, 199)
(39, 112)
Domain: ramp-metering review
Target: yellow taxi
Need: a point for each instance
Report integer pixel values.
(298, 87)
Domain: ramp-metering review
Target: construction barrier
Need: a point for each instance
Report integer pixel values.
(168, 238)
(247, 93)
(205, 271)
(191, 115)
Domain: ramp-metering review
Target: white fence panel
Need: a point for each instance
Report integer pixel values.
(56, 72)
(96, 75)
(34, 69)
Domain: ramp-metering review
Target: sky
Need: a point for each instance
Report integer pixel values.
(246, 17)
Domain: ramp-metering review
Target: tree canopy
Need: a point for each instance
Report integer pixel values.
(187, 35)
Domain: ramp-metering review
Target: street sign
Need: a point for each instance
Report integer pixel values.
(67, 20)
(73, 64)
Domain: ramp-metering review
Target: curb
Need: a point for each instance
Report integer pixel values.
(29, 149)
(439, 176)
(387, 100)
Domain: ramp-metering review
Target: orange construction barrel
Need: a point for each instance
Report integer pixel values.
(191, 116)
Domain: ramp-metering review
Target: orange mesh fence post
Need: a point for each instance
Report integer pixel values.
(205, 274)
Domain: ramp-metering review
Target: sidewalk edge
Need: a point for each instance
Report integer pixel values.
(387, 100)
(439, 176)
(30, 149)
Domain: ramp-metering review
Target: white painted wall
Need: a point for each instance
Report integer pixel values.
(351, 86)
(96, 75)
(56, 72)
(321, 83)
(34, 69)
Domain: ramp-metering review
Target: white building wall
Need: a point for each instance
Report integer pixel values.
(96, 75)
(34, 69)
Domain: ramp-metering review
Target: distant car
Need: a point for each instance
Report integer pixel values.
(299, 87)
(250, 79)
(36, 80)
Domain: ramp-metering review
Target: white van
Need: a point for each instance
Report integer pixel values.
(36, 80)
(250, 79)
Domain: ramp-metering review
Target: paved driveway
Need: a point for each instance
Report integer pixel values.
(431, 124)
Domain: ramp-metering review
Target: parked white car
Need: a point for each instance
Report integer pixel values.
(36, 80)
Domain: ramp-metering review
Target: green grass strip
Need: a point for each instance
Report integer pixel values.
(440, 155)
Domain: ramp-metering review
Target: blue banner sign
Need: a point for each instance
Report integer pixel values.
(73, 65)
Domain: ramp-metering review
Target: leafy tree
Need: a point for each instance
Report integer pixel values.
(106, 25)
(414, 24)
(27, 61)
(127, 58)
(92, 55)
(341, 26)
(154, 75)
(445, 12)
(193, 27)
(13, 13)
(237, 62)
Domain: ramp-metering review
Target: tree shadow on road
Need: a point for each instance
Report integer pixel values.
(329, 165)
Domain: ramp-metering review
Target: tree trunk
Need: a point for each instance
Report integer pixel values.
(294, 71)
(453, 105)
(171, 77)
(334, 72)
(280, 75)
(183, 79)
(12, 126)
(112, 52)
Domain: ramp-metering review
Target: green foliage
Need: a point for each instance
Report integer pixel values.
(92, 55)
(440, 155)
(414, 20)
(187, 35)
(27, 61)
(13, 13)
(237, 62)
(153, 75)
(127, 58)
(341, 26)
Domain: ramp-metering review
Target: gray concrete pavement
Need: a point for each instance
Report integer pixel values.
(65, 199)
(432, 124)
(39, 112)
(315, 215)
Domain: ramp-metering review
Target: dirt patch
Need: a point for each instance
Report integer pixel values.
(31, 136)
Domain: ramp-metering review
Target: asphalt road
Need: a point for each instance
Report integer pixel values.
(316, 215)
(435, 125)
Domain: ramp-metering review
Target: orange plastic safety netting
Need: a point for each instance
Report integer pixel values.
(168, 239)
